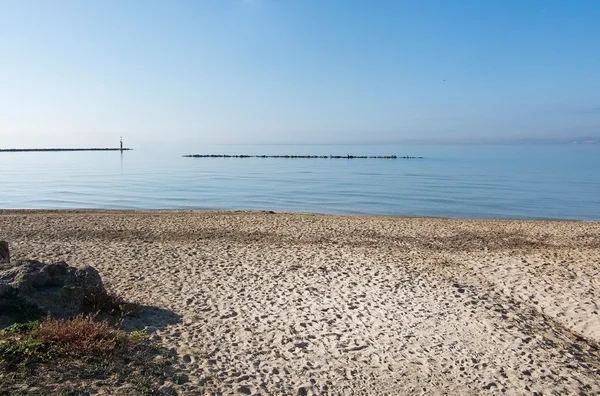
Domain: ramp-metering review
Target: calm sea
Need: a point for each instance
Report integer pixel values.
(471, 181)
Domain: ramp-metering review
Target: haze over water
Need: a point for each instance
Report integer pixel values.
(467, 181)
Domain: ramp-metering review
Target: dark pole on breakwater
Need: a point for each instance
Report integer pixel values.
(121, 153)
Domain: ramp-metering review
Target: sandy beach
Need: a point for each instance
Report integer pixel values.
(302, 304)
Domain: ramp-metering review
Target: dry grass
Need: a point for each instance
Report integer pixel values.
(79, 356)
(83, 335)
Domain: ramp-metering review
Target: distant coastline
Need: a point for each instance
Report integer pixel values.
(21, 150)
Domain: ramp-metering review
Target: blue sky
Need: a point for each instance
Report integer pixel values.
(78, 73)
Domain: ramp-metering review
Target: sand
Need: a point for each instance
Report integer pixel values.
(306, 304)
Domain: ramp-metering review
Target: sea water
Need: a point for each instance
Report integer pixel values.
(468, 181)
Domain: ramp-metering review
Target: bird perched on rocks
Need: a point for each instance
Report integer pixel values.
(4, 252)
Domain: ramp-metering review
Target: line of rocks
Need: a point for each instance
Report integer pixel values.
(300, 156)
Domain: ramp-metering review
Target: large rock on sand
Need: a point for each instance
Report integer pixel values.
(57, 288)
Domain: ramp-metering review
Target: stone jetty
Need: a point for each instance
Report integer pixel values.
(20, 150)
(301, 156)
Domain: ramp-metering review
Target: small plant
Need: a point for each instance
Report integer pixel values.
(179, 379)
(137, 336)
(20, 346)
(17, 328)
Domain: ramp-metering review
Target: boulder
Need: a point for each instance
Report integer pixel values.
(56, 288)
(4, 252)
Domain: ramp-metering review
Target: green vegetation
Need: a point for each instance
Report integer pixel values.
(78, 355)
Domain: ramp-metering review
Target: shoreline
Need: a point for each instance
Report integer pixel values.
(267, 211)
(282, 303)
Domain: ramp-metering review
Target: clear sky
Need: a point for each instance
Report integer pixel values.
(85, 72)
